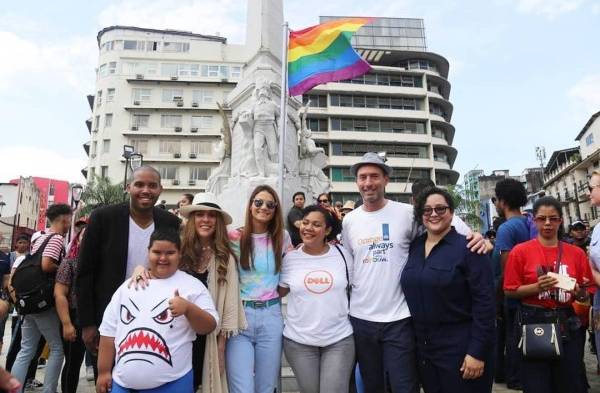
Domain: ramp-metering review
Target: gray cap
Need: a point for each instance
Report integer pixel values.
(371, 158)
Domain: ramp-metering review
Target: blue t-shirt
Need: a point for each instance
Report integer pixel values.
(514, 231)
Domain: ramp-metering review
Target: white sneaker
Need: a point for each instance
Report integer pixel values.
(89, 373)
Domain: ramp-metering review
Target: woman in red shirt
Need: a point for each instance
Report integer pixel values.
(526, 278)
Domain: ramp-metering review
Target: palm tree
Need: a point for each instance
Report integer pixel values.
(466, 205)
(100, 192)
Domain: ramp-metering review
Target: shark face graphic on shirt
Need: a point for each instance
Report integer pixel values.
(144, 342)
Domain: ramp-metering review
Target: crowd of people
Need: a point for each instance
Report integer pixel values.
(382, 296)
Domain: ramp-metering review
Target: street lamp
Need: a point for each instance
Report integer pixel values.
(133, 160)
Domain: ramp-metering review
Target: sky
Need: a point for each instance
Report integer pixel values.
(524, 73)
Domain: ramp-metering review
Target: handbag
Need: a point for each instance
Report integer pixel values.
(542, 341)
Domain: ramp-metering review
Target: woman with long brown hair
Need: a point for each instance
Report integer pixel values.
(206, 254)
(254, 356)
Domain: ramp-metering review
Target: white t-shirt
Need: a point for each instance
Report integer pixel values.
(379, 242)
(317, 312)
(595, 247)
(460, 226)
(137, 247)
(153, 348)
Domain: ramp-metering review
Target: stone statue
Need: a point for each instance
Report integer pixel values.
(265, 114)
(221, 174)
(312, 159)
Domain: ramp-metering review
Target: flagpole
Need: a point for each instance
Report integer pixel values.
(283, 108)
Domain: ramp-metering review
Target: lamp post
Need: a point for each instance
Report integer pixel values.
(76, 191)
(133, 160)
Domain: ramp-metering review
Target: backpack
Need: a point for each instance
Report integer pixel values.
(34, 289)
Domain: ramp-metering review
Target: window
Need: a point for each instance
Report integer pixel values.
(169, 147)
(168, 172)
(589, 139)
(140, 120)
(170, 121)
(438, 133)
(108, 120)
(201, 148)
(202, 121)
(203, 96)
(440, 156)
(170, 95)
(380, 102)
(134, 45)
(110, 95)
(169, 69)
(317, 125)
(135, 68)
(393, 150)
(199, 173)
(210, 70)
(175, 46)
(97, 123)
(104, 171)
(151, 46)
(316, 101)
(140, 145)
(236, 72)
(99, 99)
(112, 67)
(437, 110)
(142, 95)
(94, 148)
(386, 80)
(377, 125)
(102, 70)
(106, 146)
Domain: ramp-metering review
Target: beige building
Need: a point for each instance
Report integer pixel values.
(19, 208)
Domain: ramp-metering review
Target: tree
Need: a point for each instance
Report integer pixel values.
(466, 205)
(100, 192)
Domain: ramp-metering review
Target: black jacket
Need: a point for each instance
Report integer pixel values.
(103, 258)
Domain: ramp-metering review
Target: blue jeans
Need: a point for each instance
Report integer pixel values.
(44, 324)
(386, 354)
(181, 385)
(254, 356)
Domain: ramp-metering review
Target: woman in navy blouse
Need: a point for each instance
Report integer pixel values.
(450, 294)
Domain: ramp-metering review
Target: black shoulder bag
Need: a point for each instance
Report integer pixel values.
(348, 286)
(542, 341)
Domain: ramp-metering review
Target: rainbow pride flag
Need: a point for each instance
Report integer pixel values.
(323, 53)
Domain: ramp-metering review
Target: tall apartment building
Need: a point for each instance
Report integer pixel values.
(157, 90)
(401, 107)
(20, 205)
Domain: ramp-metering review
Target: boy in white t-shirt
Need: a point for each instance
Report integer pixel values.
(147, 335)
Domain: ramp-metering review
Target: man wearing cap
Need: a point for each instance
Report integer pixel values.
(379, 233)
(116, 240)
(579, 235)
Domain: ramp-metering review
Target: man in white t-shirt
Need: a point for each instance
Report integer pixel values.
(378, 234)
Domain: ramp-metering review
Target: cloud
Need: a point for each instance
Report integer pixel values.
(226, 17)
(586, 93)
(27, 62)
(548, 8)
(35, 161)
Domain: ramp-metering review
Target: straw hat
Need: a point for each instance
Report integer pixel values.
(205, 201)
(349, 205)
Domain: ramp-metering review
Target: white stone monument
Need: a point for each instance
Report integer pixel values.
(250, 144)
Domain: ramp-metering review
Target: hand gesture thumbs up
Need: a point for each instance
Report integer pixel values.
(178, 306)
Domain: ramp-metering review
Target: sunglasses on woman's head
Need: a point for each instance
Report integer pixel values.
(269, 204)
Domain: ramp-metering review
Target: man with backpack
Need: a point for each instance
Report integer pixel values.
(33, 282)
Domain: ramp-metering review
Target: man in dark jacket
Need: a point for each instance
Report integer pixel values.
(116, 241)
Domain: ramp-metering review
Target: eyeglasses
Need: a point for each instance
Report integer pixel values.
(439, 210)
(323, 200)
(544, 219)
(592, 186)
(258, 203)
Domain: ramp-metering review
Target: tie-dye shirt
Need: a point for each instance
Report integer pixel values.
(261, 281)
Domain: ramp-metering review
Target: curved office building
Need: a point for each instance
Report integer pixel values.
(401, 107)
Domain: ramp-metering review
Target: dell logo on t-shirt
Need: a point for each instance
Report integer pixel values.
(385, 229)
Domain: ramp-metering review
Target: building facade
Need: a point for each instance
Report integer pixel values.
(157, 90)
(400, 107)
(19, 209)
